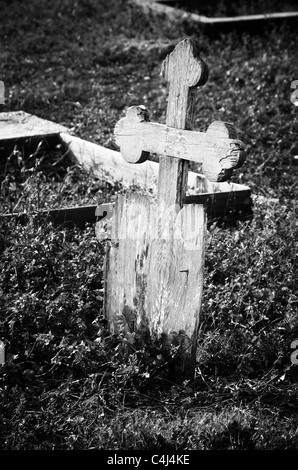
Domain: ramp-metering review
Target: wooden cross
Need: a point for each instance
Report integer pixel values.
(217, 150)
(155, 260)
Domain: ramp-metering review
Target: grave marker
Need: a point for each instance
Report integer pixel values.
(155, 259)
(217, 150)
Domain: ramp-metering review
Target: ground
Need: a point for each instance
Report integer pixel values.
(67, 383)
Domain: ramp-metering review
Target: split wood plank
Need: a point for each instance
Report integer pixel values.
(148, 290)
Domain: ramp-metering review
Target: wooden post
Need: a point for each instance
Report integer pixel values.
(155, 260)
(184, 70)
(182, 291)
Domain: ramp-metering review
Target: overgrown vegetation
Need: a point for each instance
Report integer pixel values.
(67, 383)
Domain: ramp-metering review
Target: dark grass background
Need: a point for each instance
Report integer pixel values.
(67, 383)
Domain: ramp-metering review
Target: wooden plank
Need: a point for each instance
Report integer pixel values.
(225, 207)
(178, 13)
(185, 71)
(18, 124)
(73, 216)
(250, 18)
(109, 165)
(103, 162)
(218, 205)
(149, 289)
(65, 217)
(242, 195)
(217, 150)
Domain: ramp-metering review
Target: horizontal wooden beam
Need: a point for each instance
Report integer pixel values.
(225, 206)
(158, 6)
(218, 150)
(66, 217)
(110, 166)
(219, 198)
(237, 204)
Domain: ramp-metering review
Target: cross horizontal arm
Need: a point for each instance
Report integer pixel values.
(218, 153)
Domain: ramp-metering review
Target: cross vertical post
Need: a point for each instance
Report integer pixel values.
(184, 70)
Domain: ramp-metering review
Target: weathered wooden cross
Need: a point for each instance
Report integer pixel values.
(155, 260)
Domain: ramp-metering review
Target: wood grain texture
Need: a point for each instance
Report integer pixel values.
(218, 150)
(109, 165)
(184, 70)
(155, 260)
(154, 277)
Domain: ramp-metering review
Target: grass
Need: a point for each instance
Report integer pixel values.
(67, 383)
